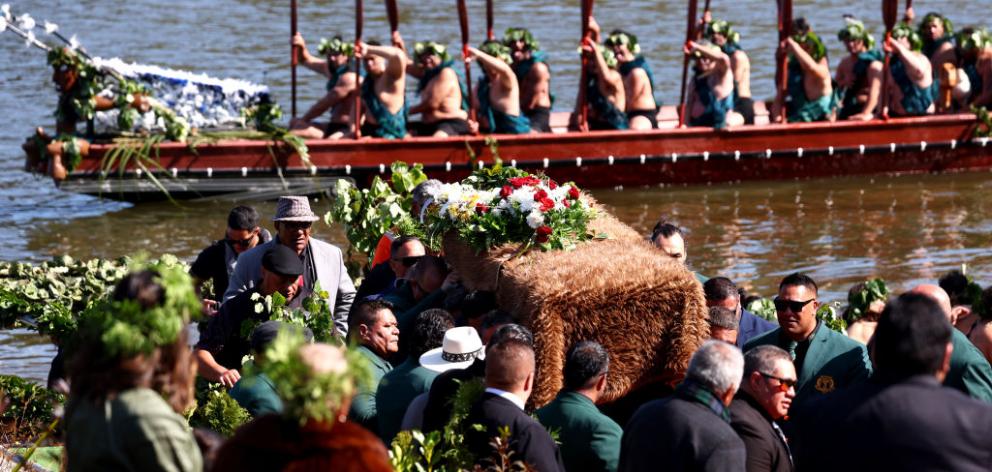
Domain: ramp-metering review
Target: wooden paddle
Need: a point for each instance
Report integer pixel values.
(690, 34)
(293, 52)
(463, 23)
(782, 61)
(583, 119)
(393, 14)
(357, 114)
(489, 20)
(890, 9)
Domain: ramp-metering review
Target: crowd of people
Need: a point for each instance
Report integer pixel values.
(931, 69)
(909, 389)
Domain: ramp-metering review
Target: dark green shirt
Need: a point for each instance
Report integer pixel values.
(590, 441)
(970, 372)
(363, 408)
(257, 394)
(396, 390)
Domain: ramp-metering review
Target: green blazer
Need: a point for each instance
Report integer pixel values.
(833, 361)
(257, 394)
(590, 440)
(396, 390)
(363, 409)
(970, 372)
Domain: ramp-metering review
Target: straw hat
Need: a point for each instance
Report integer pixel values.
(461, 346)
(294, 209)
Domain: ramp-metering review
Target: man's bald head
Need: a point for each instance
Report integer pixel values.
(510, 367)
(938, 295)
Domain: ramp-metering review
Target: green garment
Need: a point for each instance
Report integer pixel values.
(388, 125)
(970, 372)
(401, 298)
(405, 318)
(396, 390)
(915, 101)
(136, 431)
(257, 394)
(590, 440)
(799, 108)
(848, 96)
(833, 361)
(363, 409)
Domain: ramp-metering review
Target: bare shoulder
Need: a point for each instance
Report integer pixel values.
(540, 70)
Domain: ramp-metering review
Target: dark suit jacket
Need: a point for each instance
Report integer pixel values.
(528, 439)
(676, 434)
(766, 451)
(437, 411)
(751, 326)
(590, 440)
(913, 424)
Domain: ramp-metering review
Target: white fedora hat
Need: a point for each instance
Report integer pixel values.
(461, 346)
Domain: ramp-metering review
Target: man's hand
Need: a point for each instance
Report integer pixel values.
(862, 117)
(909, 15)
(397, 40)
(298, 41)
(210, 307)
(229, 378)
(361, 50)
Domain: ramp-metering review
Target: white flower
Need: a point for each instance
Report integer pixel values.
(51, 27)
(73, 43)
(535, 219)
(25, 22)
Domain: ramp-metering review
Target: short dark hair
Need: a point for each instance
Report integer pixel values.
(511, 332)
(243, 218)
(365, 313)
(762, 359)
(478, 303)
(585, 361)
(956, 284)
(719, 289)
(798, 279)
(428, 263)
(399, 241)
(985, 308)
(911, 337)
(720, 317)
(666, 229)
(497, 318)
(428, 330)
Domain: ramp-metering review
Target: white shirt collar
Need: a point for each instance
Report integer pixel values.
(507, 395)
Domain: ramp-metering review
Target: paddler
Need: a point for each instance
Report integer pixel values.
(534, 77)
(604, 90)
(910, 75)
(341, 84)
(810, 94)
(442, 98)
(859, 75)
(383, 90)
(937, 33)
(711, 93)
(721, 33)
(638, 81)
(975, 52)
(498, 92)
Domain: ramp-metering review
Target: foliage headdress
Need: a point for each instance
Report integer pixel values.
(335, 45)
(970, 39)
(520, 34)
(803, 34)
(903, 30)
(617, 37)
(855, 30)
(858, 303)
(723, 28)
(426, 48)
(497, 49)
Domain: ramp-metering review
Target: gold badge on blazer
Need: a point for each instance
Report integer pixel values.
(825, 384)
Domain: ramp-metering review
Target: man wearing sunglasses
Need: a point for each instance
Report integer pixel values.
(825, 359)
(764, 397)
(384, 279)
(216, 262)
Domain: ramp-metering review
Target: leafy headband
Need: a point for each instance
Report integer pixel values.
(618, 37)
(811, 39)
(427, 48)
(948, 26)
(723, 28)
(335, 46)
(855, 31)
(973, 39)
(520, 34)
(903, 30)
(858, 303)
(497, 50)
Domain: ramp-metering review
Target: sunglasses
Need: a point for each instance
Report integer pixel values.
(408, 261)
(297, 225)
(794, 306)
(241, 242)
(783, 384)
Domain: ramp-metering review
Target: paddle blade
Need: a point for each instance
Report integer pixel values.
(690, 28)
(463, 20)
(359, 13)
(489, 20)
(393, 14)
(890, 11)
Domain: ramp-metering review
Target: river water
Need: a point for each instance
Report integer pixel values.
(842, 230)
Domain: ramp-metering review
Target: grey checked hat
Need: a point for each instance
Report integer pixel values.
(294, 209)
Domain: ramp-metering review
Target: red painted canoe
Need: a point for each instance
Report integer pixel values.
(940, 143)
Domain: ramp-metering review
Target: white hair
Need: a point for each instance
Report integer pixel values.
(717, 366)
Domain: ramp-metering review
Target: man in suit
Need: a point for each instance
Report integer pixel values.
(722, 292)
(902, 419)
(970, 372)
(589, 439)
(690, 430)
(765, 396)
(509, 383)
(825, 359)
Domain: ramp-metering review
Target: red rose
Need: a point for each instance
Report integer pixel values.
(565, 202)
(505, 191)
(542, 234)
(481, 208)
(552, 184)
(540, 194)
(573, 192)
(547, 204)
(516, 182)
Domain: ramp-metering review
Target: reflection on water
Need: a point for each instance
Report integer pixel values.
(26, 354)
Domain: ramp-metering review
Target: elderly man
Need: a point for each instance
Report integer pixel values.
(765, 396)
(216, 262)
(498, 93)
(691, 429)
(323, 263)
(341, 85)
(859, 74)
(442, 98)
(531, 68)
(589, 439)
(722, 292)
(969, 371)
(222, 344)
(825, 359)
(901, 419)
(372, 327)
(810, 94)
(910, 78)
(509, 382)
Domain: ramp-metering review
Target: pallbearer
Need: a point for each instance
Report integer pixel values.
(711, 94)
(383, 90)
(722, 34)
(859, 75)
(810, 94)
(442, 100)
(910, 74)
(534, 77)
(638, 81)
(341, 85)
(498, 92)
